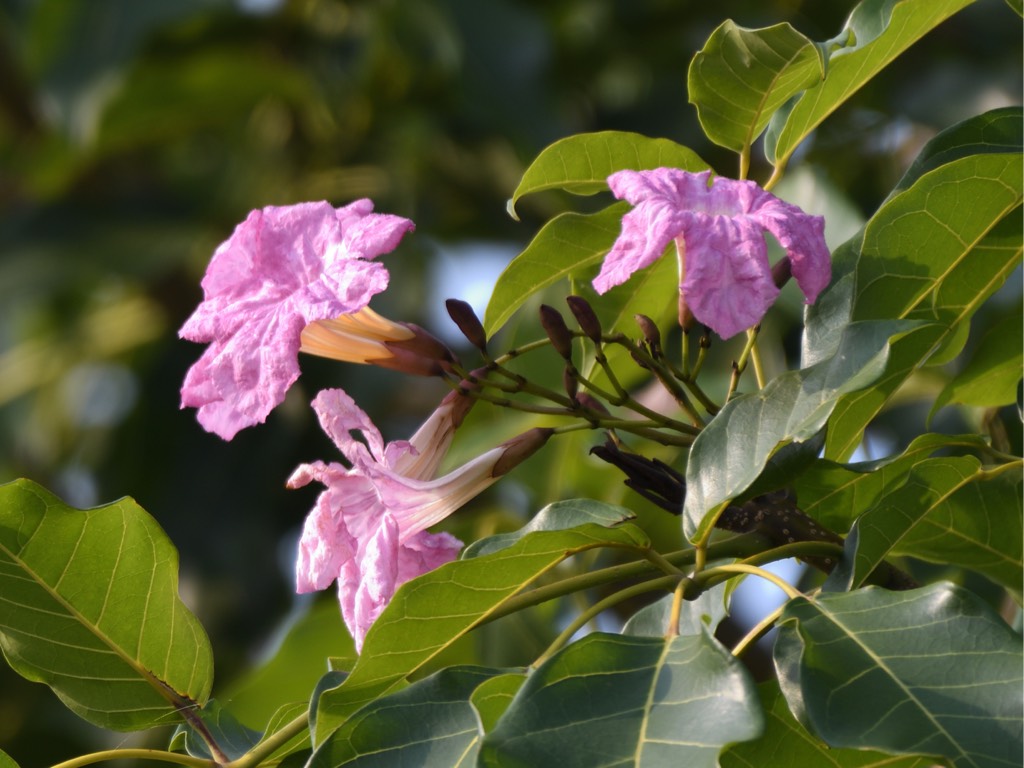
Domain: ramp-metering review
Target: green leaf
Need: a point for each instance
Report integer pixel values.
(999, 131)
(707, 611)
(836, 494)
(559, 516)
(930, 671)
(430, 724)
(929, 254)
(6, 761)
(432, 611)
(616, 700)
(787, 743)
(492, 697)
(949, 510)
(742, 76)
(734, 447)
(991, 376)
(1017, 6)
(233, 738)
(876, 33)
(90, 607)
(581, 164)
(565, 245)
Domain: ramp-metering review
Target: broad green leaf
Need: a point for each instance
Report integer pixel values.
(785, 743)
(949, 510)
(1017, 6)
(558, 516)
(734, 447)
(89, 605)
(232, 738)
(581, 164)
(742, 76)
(616, 700)
(6, 761)
(876, 33)
(934, 252)
(430, 724)
(930, 671)
(432, 611)
(707, 611)
(999, 131)
(990, 377)
(837, 494)
(492, 697)
(565, 245)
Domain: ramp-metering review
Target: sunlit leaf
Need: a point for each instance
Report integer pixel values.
(492, 697)
(432, 611)
(89, 605)
(990, 377)
(949, 510)
(733, 448)
(741, 76)
(836, 494)
(928, 254)
(876, 33)
(559, 516)
(565, 245)
(581, 164)
(617, 700)
(787, 743)
(996, 132)
(6, 761)
(931, 671)
(430, 724)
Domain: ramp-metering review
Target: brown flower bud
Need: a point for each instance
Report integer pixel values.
(465, 318)
(591, 403)
(554, 325)
(570, 381)
(585, 316)
(520, 448)
(651, 333)
(782, 271)
(435, 355)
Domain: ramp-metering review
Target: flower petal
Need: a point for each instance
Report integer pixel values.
(282, 268)
(803, 237)
(728, 283)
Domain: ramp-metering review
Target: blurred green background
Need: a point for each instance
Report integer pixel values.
(134, 135)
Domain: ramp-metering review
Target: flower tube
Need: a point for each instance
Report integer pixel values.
(368, 529)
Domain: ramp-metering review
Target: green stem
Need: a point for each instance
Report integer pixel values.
(272, 743)
(759, 629)
(137, 754)
(710, 575)
(600, 607)
(742, 545)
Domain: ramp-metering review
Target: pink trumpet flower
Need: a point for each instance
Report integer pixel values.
(368, 529)
(282, 269)
(718, 228)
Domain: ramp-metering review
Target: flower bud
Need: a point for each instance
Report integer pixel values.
(651, 333)
(434, 356)
(520, 448)
(556, 329)
(570, 381)
(686, 318)
(585, 316)
(591, 403)
(782, 271)
(465, 318)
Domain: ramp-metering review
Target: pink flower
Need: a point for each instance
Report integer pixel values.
(368, 528)
(282, 269)
(718, 229)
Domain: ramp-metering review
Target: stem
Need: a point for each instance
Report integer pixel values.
(137, 754)
(744, 161)
(272, 743)
(741, 364)
(600, 607)
(677, 609)
(791, 592)
(745, 544)
(755, 358)
(776, 176)
(758, 629)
